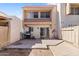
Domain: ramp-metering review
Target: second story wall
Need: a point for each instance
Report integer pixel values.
(68, 17)
(42, 13)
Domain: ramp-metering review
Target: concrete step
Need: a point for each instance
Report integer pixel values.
(51, 42)
(40, 46)
(36, 46)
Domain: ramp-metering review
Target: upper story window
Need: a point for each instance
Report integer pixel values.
(35, 15)
(31, 15)
(45, 15)
(74, 11)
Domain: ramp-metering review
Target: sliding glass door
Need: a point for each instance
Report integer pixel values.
(44, 32)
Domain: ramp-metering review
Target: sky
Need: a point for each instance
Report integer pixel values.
(15, 9)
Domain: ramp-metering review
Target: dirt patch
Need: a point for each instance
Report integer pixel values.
(26, 52)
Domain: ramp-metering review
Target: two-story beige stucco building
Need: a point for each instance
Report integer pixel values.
(40, 21)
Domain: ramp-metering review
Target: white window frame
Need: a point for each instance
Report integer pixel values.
(74, 11)
(31, 14)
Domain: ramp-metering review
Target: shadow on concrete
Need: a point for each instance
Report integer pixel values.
(19, 48)
(15, 52)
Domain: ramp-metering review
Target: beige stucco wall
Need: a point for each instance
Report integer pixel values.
(14, 29)
(36, 32)
(53, 18)
(71, 20)
(68, 20)
(3, 36)
(10, 34)
(71, 34)
(68, 34)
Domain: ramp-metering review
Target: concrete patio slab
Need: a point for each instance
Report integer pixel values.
(64, 49)
(26, 52)
(34, 43)
(51, 42)
(28, 47)
(40, 52)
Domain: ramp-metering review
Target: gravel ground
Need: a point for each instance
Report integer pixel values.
(26, 52)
